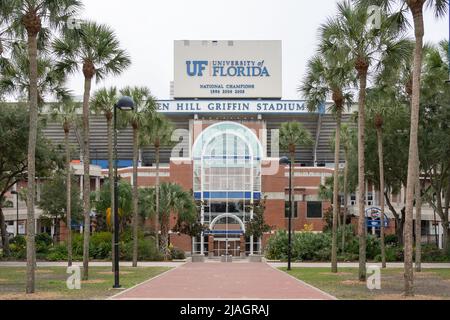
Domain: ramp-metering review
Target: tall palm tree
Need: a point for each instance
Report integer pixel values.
(28, 20)
(143, 107)
(346, 135)
(381, 102)
(293, 135)
(102, 102)
(328, 75)
(347, 35)
(96, 49)
(66, 113)
(157, 132)
(416, 7)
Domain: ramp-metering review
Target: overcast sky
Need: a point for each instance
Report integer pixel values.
(147, 29)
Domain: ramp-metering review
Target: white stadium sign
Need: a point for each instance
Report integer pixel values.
(227, 69)
(233, 106)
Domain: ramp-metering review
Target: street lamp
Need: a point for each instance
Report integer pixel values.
(17, 211)
(125, 104)
(284, 161)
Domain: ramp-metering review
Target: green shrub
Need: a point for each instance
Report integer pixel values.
(176, 253)
(277, 246)
(305, 246)
(43, 242)
(57, 253)
(18, 247)
(373, 246)
(431, 253)
(391, 239)
(147, 250)
(393, 254)
(100, 245)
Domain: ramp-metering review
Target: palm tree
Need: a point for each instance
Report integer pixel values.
(96, 49)
(292, 135)
(381, 102)
(102, 102)
(328, 75)
(143, 107)
(173, 200)
(416, 8)
(157, 131)
(346, 142)
(15, 80)
(347, 35)
(30, 19)
(66, 113)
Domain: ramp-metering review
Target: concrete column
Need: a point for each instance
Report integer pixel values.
(251, 237)
(97, 188)
(81, 186)
(140, 157)
(193, 246)
(202, 244)
(202, 221)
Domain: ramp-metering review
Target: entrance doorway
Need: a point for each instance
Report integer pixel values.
(227, 246)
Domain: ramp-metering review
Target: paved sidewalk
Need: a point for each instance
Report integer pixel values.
(277, 264)
(216, 280)
(435, 265)
(94, 263)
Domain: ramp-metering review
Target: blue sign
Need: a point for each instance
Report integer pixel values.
(375, 223)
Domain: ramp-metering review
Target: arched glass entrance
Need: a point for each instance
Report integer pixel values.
(227, 181)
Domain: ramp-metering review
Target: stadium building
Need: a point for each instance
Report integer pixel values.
(226, 105)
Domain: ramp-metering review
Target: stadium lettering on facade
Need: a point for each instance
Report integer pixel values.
(233, 106)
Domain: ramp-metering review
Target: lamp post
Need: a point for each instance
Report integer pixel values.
(125, 104)
(17, 211)
(284, 161)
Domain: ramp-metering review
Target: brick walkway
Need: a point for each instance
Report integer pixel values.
(215, 280)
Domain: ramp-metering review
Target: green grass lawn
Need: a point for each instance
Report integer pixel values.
(429, 284)
(51, 282)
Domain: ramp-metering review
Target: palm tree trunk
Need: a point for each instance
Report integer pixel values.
(292, 189)
(418, 259)
(157, 196)
(336, 206)
(86, 178)
(68, 200)
(445, 223)
(135, 195)
(417, 11)
(362, 230)
(33, 96)
(344, 218)
(165, 220)
(5, 242)
(111, 184)
(381, 168)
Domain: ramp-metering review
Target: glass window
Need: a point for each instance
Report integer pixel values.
(287, 208)
(314, 209)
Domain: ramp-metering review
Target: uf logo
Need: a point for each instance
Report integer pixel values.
(196, 68)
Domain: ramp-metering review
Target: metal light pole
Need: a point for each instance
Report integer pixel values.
(285, 160)
(125, 104)
(17, 211)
